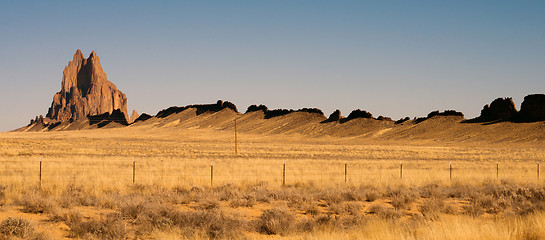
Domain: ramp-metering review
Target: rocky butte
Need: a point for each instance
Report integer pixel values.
(85, 91)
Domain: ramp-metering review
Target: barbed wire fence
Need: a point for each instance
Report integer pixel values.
(209, 171)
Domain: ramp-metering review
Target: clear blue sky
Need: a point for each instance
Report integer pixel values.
(392, 58)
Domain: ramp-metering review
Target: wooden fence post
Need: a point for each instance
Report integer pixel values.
(40, 171)
(401, 169)
(345, 171)
(211, 172)
(284, 173)
(133, 170)
(236, 139)
(450, 171)
(497, 169)
(538, 170)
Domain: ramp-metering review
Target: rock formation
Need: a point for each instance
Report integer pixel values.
(255, 108)
(201, 108)
(402, 120)
(334, 117)
(105, 118)
(532, 108)
(85, 91)
(445, 113)
(437, 113)
(383, 118)
(143, 117)
(357, 114)
(134, 116)
(499, 109)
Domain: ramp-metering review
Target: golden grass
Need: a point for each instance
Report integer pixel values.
(101, 163)
(101, 157)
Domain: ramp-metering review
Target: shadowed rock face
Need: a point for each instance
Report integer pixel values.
(499, 109)
(437, 113)
(255, 108)
(359, 114)
(85, 91)
(335, 116)
(532, 108)
(105, 118)
(402, 120)
(143, 117)
(134, 116)
(201, 108)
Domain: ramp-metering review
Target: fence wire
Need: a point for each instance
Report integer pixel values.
(174, 171)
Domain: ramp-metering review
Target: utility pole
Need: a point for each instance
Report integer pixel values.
(236, 140)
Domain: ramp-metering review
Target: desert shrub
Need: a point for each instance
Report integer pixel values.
(351, 194)
(353, 208)
(227, 192)
(348, 221)
(310, 208)
(401, 198)
(306, 225)
(433, 191)
(371, 194)
(332, 196)
(110, 227)
(489, 203)
(384, 212)
(432, 207)
(402, 201)
(288, 194)
(35, 202)
(472, 209)
(261, 195)
(524, 208)
(276, 221)
(74, 195)
(336, 208)
(246, 200)
(214, 224)
(209, 204)
(146, 216)
(16, 227)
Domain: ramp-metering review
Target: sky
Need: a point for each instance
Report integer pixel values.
(391, 58)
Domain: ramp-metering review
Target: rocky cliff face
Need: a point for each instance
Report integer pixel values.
(532, 108)
(85, 91)
(499, 109)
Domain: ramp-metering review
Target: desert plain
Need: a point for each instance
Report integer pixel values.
(185, 176)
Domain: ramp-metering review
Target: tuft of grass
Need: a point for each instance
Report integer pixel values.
(247, 200)
(276, 221)
(432, 208)
(110, 227)
(36, 202)
(16, 227)
(382, 211)
(212, 224)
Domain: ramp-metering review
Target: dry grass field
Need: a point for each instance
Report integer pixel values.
(336, 187)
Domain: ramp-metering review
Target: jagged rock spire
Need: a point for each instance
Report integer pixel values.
(85, 90)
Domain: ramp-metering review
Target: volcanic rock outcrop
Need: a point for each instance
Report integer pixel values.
(334, 117)
(255, 108)
(106, 118)
(499, 109)
(85, 91)
(437, 113)
(201, 108)
(358, 113)
(532, 108)
(134, 116)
